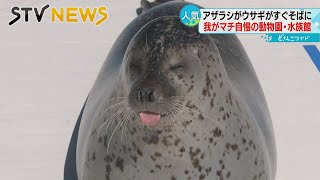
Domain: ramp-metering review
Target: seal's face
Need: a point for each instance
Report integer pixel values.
(160, 74)
(155, 82)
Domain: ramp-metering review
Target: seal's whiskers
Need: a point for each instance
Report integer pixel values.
(120, 109)
(117, 126)
(125, 123)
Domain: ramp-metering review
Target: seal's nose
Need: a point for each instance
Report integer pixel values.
(146, 95)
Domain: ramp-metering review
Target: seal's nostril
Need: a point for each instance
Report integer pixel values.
(140, 96)
(150, 96)
(146, 95)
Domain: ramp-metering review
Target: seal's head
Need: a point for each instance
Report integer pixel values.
(164, 65)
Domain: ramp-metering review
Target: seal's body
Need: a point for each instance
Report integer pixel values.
(170, 103)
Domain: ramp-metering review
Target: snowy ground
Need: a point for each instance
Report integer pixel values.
(47, 70)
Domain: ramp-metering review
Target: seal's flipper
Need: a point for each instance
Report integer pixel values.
(145, 5)
(70, 168)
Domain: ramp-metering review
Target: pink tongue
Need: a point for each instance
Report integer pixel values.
(149, 119)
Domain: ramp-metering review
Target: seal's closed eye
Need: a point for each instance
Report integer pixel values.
(176, 67)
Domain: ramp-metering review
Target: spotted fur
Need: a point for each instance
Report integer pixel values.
(214, 138)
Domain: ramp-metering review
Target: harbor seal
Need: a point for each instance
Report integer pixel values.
(170, 103)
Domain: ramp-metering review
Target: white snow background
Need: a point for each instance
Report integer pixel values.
(47, 70)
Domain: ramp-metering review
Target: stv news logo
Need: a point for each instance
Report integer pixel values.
(68, 14)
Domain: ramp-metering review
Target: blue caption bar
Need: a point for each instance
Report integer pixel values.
(293, 37)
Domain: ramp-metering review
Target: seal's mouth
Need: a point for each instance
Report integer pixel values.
(149, 118)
